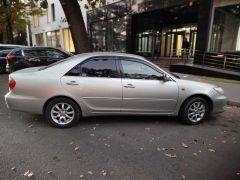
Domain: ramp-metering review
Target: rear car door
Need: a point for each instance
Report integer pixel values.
(96, 83)
(144, 90)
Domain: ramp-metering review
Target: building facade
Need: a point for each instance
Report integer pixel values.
(150, 27)
(52, 29)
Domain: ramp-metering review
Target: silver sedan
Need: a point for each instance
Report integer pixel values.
(95, 84)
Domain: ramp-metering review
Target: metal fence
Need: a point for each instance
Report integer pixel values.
(228, 61)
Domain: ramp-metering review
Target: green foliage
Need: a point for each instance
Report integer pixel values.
(17, 12)
(94, 3)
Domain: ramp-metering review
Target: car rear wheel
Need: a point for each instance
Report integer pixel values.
(194, 111)
(62, 113)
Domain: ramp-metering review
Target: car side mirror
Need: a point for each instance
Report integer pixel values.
(166, 77)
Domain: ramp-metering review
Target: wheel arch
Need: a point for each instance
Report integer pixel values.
(60, 96)
(204, 96)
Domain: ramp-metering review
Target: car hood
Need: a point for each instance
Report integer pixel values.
(195, 84)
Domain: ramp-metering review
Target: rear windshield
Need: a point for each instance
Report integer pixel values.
(53, 64)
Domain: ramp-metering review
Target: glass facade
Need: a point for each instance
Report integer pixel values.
(166, 42)
(39, 39)
(109, 35)
(226, 29)
(147, 26)
(53, 39)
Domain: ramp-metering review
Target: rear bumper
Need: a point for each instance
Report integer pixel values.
(24, 104)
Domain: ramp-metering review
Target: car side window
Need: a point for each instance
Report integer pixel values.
(55, 54)
(30, 53)
(100, 68)
(137, 70)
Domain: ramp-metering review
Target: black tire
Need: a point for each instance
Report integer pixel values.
(191, 116)
(52, 106)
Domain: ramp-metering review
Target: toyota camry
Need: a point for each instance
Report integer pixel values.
(102, 83)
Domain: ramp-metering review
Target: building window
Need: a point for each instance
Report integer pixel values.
(68, 42)
(226, 29)
(109, 35)
(36, 20)
(39, 39)
(53, 12)
(53, 39)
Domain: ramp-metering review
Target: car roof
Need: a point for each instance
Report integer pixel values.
(96, 54)
(11, 45)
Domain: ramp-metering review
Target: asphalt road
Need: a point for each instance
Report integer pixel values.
(141, 148)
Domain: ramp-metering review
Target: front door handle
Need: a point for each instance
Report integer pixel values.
(129, 86)
(72, 83)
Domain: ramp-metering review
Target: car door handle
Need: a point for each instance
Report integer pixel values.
(129, 86)
(72, 83)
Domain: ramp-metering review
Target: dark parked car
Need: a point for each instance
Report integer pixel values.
(10, 46)
(34, 56)
(3, 54)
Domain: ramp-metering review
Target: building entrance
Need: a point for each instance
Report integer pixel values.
(169, 32)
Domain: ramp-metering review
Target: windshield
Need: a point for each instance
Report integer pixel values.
(53, 64)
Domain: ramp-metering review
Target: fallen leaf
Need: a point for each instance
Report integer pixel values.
(28, 174)
(211, 150)
(224, 141)
(171, 155)
(184, 145)
(104, 173)
(90, 172)
(76, 148)
(195, 154)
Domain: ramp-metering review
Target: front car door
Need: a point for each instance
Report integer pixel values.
(144, 90)
(96, 84)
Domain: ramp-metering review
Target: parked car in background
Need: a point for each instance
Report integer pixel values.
(3, 54)
(109, 84)
(10, 46)
(21, 58)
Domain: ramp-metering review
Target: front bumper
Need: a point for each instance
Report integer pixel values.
(219, 103)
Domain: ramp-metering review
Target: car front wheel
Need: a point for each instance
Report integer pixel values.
(62, 113)
(194, 111)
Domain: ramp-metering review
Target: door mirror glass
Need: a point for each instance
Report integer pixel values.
(166, 77)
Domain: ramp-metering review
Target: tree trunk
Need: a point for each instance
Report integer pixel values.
(9, 28)
(74, 17)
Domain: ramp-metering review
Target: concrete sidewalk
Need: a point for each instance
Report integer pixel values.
(230, 87)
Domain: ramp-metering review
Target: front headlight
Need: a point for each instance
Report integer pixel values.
(219, 90)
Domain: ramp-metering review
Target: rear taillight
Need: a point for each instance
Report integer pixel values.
(10, 57)
(11, 83)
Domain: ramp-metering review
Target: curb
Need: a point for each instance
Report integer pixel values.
(232, 103)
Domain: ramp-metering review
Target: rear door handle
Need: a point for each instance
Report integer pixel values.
(72, 83)
(129, 86)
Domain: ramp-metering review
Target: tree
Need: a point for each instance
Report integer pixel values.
(74, 17)
(14, 16)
